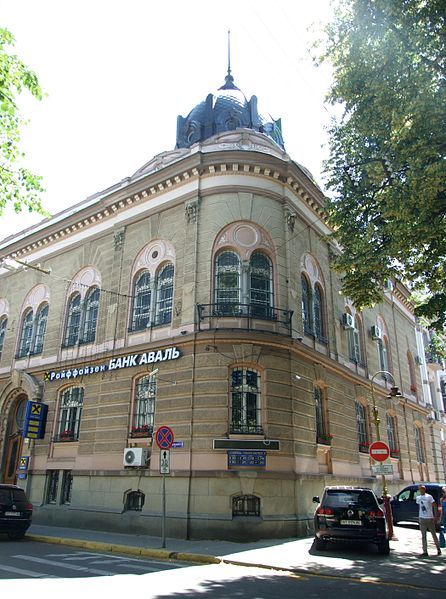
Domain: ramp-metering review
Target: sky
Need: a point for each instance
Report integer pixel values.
(116, 75)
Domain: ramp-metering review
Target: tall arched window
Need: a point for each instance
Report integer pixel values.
(318, 313)
(383, 356)
(227, 282)
(90, 316)
(392, 435)
(261, 285)
(354, 342)
(419, 445)
(164, 294)
(70, 412)
(307, 312)
(72, 327)
(3, 324)
(40, 328)
(322, 434)
(26, 334)
(245, 401)
(362, 427)
(412, 375)
(144, 407)
(142, 300)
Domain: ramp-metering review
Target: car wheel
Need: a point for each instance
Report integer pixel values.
(16, 536)
(384, 547)
(320, 543)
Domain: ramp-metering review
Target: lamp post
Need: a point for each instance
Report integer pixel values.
(394, 392)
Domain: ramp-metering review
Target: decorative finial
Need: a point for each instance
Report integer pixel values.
(229, 79)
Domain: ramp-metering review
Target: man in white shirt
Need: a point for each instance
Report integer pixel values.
(428, 518)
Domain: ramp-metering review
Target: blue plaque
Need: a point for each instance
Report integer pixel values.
(247, 458)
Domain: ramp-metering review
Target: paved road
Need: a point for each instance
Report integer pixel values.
(40, 560)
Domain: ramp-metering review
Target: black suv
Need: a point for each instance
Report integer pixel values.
(15, 511)
(405, 507)
(350, 514)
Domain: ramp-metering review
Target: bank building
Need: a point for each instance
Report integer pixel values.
(193, 303)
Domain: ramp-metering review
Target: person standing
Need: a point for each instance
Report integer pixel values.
(428, 518)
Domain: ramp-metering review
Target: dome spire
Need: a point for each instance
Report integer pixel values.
(229, 79)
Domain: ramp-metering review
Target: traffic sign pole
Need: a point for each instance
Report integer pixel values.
(164, 438)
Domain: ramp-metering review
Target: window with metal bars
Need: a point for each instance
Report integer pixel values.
(70, 412)
(153, 298)
(40, 328)
(322, 434)
(227, 283)
(362, 428)
(26, 334)
(90, 316)
(67, 486)
(245, 402)
(82, 318)
(134, 501)
(144, 407)
(261, 286)
(246, 505)
(52, 488)
(164, 295)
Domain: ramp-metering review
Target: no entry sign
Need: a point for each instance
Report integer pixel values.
(164, 437)
(379, 451)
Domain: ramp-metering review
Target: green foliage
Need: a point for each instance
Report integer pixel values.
(387, 164)
(18, 186)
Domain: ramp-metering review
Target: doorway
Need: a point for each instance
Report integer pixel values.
(14, 441)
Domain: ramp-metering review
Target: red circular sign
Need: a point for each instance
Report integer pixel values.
(164, 437)
(379, 451)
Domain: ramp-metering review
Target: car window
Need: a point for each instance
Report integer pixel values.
(405, 495)
(334, 498)
(5, 496)
(19, 495)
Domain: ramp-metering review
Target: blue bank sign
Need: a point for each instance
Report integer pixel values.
(151, 357)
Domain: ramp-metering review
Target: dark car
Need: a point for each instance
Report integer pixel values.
(15, 511)
(351, 515)
(405, 507)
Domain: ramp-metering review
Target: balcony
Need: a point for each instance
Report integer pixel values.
(232, 315)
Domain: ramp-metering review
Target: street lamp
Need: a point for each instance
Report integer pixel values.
(394, 392)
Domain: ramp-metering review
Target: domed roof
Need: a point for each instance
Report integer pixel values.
(225, 110)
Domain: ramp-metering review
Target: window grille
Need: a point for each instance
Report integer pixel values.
(164, 295)
(142, 302)
(134, 501)
(40, 326)
(3, 324)
(144, 407)
(73, 321)
(67, 486)
(26, 334)
(245, 402)
(52, 486)
(261, 285)
(361, 424)
(91, 309)
(246, 505)
(70, 411)
(227, 282)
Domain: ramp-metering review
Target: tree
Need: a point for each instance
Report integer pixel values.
(387, 162)
(18, 186)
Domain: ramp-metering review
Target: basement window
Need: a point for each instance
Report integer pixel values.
(245, 505)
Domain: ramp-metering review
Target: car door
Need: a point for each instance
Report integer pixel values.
(406, 508)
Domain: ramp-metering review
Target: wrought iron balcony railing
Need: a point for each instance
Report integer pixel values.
(246, 313)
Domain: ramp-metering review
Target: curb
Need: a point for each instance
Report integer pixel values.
(164, 554)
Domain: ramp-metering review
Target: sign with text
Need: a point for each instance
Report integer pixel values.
(382, 469)
(151, 357)
(246, 458)
(165, 461)
(34, 423)
(379, 451)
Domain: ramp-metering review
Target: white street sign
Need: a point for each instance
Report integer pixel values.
(165, 461)
(382, 469)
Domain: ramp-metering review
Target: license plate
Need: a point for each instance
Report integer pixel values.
(13, 514)
(351, 522)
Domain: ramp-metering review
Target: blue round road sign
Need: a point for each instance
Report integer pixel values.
(164, 437)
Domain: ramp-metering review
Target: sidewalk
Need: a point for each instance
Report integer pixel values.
(402, 567)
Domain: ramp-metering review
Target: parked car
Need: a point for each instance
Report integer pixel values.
(351, 515)
(405, 507)
(15, 511)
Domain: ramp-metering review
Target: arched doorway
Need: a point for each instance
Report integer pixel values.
(14, 440)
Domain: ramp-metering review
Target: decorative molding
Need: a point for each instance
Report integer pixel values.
(290, 217)
(191, 211)
(118, 240)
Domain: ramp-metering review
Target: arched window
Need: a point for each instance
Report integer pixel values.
(245, 402)
(3, 324)
(40, 328)
(354, 342)
(318, 313)
(70, 412)
(90, 315)
(383, 356)
(142, 300)
(362, 428)
(261, 285)
(419, 445)
(134, 501)
(73, 320)
(246, 505)
(307, 312)
(144, 407)
(227, 282)
(164, 295)
(26, 334)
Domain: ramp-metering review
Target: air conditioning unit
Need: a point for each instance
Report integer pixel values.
(135, 456)
(437, 415)
(348, 322)
(376, 332)
(419, 360)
